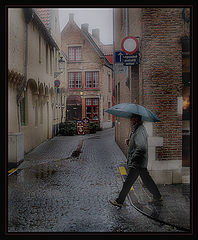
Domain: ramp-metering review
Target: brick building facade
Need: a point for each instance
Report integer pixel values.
(89, 74)
(156, 83)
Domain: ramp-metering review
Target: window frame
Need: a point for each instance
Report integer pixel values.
(92, 79)
(75, 73)
(74, 59)
(92, 105)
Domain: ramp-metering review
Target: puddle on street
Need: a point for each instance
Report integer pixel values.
(43, 171)
(38, 172)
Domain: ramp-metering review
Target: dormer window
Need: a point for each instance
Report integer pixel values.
(75, 54)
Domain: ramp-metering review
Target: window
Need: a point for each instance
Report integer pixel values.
(92, 80)
(75, 54)
(22, 111)
(92, 108)
(75, 80)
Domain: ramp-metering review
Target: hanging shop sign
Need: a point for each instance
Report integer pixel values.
(130, 45)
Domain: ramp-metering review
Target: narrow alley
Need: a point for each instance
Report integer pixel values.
(64, 185)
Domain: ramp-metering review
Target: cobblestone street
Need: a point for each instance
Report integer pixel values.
(64, 186)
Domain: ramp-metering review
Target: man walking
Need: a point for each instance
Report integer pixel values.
(137, 160)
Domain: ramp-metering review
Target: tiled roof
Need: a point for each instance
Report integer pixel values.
(107, 49)
(109, 58)
(44, 14)
(36, 19)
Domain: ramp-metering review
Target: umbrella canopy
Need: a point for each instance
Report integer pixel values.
(126, 110)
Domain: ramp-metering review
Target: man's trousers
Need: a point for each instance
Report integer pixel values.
(131, 178)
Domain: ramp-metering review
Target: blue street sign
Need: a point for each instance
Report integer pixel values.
(119, 56)
(130, 60)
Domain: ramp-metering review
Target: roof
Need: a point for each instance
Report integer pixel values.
(97, 47)
(107, 49)
(109, 58)
(31, 14)
(44, 14)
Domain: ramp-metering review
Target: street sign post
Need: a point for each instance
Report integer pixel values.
(120, 68)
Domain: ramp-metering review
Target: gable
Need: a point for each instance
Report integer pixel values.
(72, 34)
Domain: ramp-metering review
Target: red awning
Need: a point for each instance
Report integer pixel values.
(74, 100)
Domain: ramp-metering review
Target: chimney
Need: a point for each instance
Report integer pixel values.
(96, 33)
(85, 27)
(71, 16)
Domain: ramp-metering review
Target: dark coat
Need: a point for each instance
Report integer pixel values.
(138, 147)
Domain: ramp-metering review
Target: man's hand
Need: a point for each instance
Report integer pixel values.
(127, 142)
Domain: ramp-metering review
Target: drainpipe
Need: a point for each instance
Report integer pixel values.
(28, 13)
(127, 33)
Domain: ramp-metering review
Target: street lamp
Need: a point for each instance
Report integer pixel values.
(61, 65)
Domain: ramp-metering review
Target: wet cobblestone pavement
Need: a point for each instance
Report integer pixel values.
(57, 191)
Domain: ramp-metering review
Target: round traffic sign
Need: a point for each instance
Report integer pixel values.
(56, 83)
(130, 45)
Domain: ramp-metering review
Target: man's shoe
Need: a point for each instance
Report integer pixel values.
(156, 201)
(115, 203)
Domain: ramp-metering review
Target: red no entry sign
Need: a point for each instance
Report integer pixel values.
(56, 83)
(129, 45)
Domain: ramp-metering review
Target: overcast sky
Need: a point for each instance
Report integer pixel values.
(101, 18)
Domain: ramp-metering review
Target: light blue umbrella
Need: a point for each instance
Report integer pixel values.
(126, 110)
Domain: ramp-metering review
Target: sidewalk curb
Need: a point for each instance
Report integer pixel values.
(134, 202)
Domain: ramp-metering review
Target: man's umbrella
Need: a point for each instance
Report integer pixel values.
(126, 110)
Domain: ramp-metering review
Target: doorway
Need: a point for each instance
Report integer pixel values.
(74, 108)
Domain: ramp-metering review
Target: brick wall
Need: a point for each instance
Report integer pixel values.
(161, 67)
(72, 36)
(157, 82)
